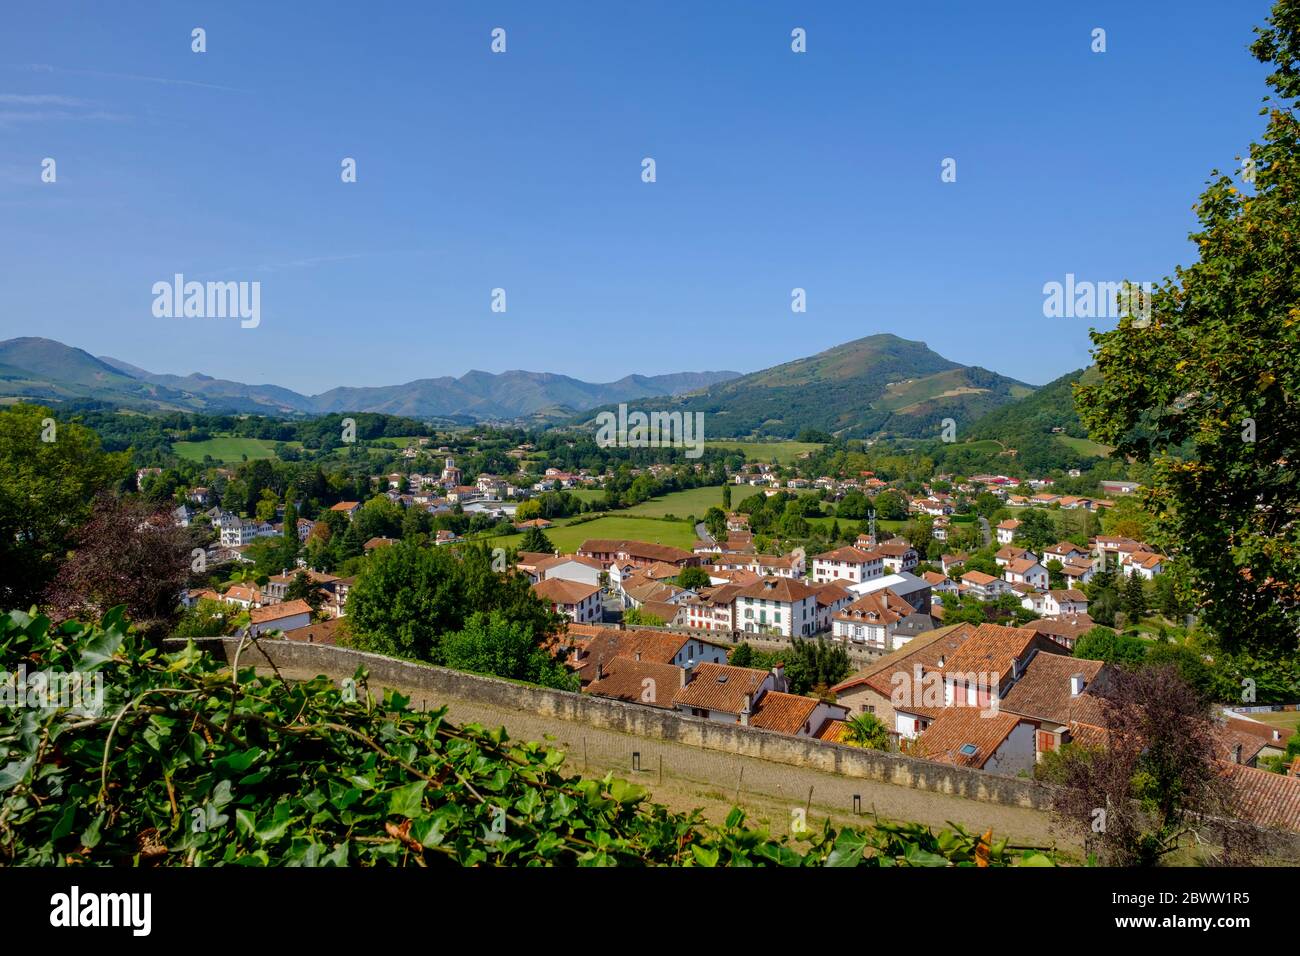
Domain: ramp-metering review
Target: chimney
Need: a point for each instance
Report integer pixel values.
(1236, 753)
(1076, 685)
(745, 710)
(638, 655)
(688, 672)
(941, 659)
(778, 672)
(600, 670)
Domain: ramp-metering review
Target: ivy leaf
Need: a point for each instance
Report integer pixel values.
(407, 801)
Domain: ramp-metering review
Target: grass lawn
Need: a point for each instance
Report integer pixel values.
(227, 448)
(986, 446)
(1286, 719)
(567, 537)
(1084, 446)
(764, 451)
(694, 501)
(398, 442)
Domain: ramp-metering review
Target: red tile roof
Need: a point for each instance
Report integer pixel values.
(959, 728)
(784, 713)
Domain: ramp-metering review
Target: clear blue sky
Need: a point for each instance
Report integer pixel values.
(522, 171)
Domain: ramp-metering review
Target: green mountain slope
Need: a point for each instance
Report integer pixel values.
(878, 385)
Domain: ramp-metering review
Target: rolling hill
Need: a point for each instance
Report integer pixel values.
(44, 370)
(878, 385)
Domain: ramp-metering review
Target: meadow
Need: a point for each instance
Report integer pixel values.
(228, 448)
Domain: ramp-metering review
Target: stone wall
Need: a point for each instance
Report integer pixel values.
(629, 718)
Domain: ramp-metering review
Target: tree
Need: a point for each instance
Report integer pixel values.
(890, 506)
(46, 491)
(130, 553)
(535, 541)
(1204, 387)
(635, 616)
(1055, 574)
(1103, 644)
(207, 618)
(715, 522)
(1157, 779)
(726, 497)
(866, 730)
(303, 588)
(406, 597)
(493, 644)
(1037, 530)
(693, 579)
(816, 665)
(1135, 598)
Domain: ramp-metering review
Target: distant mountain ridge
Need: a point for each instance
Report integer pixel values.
(42, 369)
(878, 385)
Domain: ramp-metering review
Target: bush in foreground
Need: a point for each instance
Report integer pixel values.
(188, 763)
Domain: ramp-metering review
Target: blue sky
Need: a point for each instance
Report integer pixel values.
(523, 171)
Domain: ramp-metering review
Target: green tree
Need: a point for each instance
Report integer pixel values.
(46, 490)
(1037, 530)
(693, 578)
(866, 730)
(1205, 387)
(726, 497)
(535, 541)
(715, 522)
(1103, 644)
(635, 616)
(1135, 598)
(406, 597)
(492, 644)
(303, 588)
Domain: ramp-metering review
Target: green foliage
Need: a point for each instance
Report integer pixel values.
(406, 597)
(1037, 530)
(693, 578)
(535, 540)
(46, 489)
(866, 730)
(183, 766)
(1207, 392)
(1103, 644)
(814, 666)
(635, 616)
(493, 644)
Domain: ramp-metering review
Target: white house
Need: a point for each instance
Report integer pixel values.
(580, 603)
(775, 605)
(1025, 571)
(1057, 603)
(848, 564)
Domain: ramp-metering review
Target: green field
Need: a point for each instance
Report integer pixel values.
(567, 537)
(228, 448)
(848, 524)
(693, 501)
(764, 451)
(1084, 446)
(986, 446)
(1286, 719)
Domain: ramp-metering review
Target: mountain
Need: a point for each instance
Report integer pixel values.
(49, 371)
(878, 385)
(1027, 426)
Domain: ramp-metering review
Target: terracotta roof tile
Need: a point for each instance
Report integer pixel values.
(784, 713)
